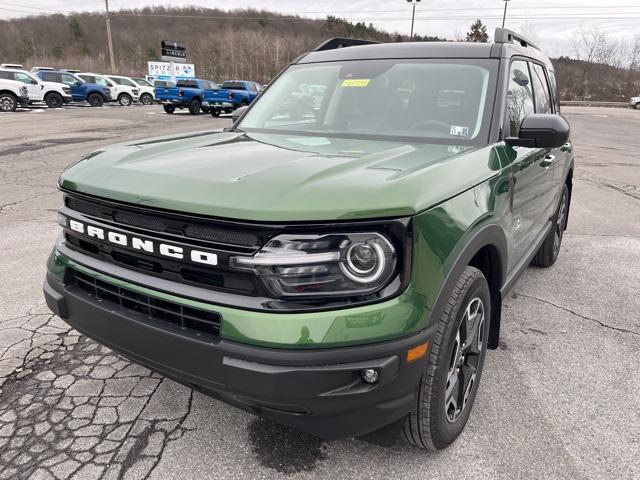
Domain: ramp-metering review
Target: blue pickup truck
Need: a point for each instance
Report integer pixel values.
(243, 92)
(196, 95)
(81, 91)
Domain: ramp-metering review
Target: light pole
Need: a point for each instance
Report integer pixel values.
(504, 16)
(413, 14)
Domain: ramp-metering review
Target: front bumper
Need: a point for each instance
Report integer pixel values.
(316, 390)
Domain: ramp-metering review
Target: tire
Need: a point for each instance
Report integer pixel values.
(435, 421)
(206, 109)
(125, 100)
(195, 107)
(550, 248)
(169, 108)
(8, 102)
(215, 112)
(146, 99)
(95, 100)
(637, 107)
(53, 100)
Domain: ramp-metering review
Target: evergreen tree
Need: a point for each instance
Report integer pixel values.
(478, 32)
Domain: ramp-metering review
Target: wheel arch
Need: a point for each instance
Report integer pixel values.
(486, 250)
(9, 92)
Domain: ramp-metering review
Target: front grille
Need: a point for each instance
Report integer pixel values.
(233, 238)
(186, 321)
(223, 237)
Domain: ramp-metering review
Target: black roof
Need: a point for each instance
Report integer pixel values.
(507, 44)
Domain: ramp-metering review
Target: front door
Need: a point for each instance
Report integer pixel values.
(530, 172)
(36, 92)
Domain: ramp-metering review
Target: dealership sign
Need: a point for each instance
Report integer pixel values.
(170, 71)
(173, 51)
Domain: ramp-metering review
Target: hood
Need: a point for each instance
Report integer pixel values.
(280, 177)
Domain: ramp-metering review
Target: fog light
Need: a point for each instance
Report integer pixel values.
(62, 220)
(370, 376)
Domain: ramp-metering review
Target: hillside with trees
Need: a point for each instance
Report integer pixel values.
(256, 45)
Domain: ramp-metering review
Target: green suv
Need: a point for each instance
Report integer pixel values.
(336, 260)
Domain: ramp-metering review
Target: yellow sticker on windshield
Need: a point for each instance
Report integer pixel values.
(355, 82)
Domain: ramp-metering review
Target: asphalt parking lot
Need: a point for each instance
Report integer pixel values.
(560, 398)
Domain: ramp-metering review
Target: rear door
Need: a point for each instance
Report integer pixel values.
(529, 173)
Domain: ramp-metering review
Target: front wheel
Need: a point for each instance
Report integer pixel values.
(169, 108)
(550, 248)
(8, 102)
(194, 107)
(125, 99)
(638, 106)
(95, 100)
(146, 99)
(53, 100)
(451, 376)
(215, 112)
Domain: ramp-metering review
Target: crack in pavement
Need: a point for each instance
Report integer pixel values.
(573, 312)
(32, 197)
(84, 412)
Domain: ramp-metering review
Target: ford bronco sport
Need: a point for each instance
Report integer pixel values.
(339, 269)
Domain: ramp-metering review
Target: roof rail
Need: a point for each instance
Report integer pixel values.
(338, 42)
(504, 35)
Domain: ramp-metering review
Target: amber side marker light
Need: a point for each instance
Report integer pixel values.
(417, 352)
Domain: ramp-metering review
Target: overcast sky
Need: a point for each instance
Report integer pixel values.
(544, 20)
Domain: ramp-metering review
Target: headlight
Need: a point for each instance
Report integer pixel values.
(336, 264)
(66, 90)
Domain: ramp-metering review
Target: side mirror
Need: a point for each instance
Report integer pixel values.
(238, 112)
(77, 84)
(541, 130)
(34, 82)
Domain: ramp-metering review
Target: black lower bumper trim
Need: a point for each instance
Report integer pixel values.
(317, 391)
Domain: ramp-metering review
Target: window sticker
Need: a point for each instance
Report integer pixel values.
(459, 131)
(355, 82)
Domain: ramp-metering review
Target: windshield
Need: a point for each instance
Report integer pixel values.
(441, 101)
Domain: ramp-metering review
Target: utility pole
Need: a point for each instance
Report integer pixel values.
(113, 63)
(413, 14)
(504, 16)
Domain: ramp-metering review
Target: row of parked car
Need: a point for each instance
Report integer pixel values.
(199, 95)
(58, 87)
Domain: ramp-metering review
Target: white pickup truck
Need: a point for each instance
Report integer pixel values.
(55, 95)
(12, 94)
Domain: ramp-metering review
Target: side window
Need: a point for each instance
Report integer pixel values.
(22, 77)
(519, 96)
(51, 77)
(7, 75)
(88, 78)
(101, 81)
(554, 90)
(541, 89)
(68, 79)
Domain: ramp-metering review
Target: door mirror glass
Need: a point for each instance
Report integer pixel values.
(540, 130)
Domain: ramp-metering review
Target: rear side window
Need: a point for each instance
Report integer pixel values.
(233, 85)
(187, 84)
(88, 78)
(554, 90)
(541, 89)
(51, 77)
(7, 75)
(519, 96)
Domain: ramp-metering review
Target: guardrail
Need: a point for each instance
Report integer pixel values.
(576, 103)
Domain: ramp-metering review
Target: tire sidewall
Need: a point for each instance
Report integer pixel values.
(443, 432)
(169, 108)
(12, 98)
(99, 101)
(125, 99)
(194, 107)
(58, 100)
(146, 99)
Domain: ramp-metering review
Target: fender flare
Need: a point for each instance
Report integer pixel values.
(488, 236)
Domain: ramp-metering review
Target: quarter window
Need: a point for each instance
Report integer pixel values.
(519, 96)
(541, 89)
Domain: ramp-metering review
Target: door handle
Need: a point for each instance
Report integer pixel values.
(548, 160)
